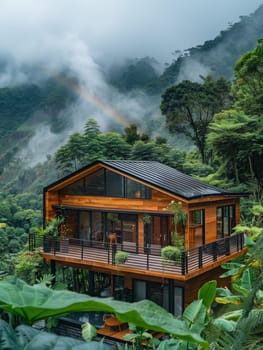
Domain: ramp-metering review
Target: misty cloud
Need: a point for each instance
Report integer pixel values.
(85, 36)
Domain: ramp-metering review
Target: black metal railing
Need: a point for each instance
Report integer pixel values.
(140, 258)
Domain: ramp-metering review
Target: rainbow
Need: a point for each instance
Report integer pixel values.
(88, 96)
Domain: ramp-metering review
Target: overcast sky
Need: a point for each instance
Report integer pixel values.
(31, 29)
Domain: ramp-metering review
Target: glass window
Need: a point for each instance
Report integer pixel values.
(84, 225)
(136, 190)
(114, 184)
(196, 217)
(197, 226)
(129, 228)
(178, 301)
(77, 188)
(94, 184)
(107, 183)
(225, 220)
(159, 293)
(139, 290)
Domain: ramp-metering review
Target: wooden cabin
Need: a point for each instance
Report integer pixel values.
(125, 206)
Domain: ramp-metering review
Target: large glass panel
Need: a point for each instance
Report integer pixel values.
(197, 232)
(114, 227)
(114, 184)
(77, 188)
(84, 225)
(136, 190)
(156, 230)
(118, 287)
(94, 184)
(225, 219)
(129, 228)
(97, 225)
(155, 292)
(107, 183)
(139, 290)
(178, 301)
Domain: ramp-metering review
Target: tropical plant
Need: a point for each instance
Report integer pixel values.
(121, 257)
(88, 331)
(179, 221)
(38, 302)
(147, 219)
(24, 337)
(242, 328)
(29, 266)
(142, 339)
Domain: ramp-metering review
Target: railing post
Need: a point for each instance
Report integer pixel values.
(200, 257)
(114, 250)
(227, 246)
(184, 263)
(214, 249)
(108, 250)
(148, 256)
(82, 249)
(54, 241)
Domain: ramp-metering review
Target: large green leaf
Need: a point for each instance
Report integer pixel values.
(248, 279)
(195, 316)
(225, 325)
(34, 303)
(7, 337)
(207, 293)
(233, 269)
(28, 338)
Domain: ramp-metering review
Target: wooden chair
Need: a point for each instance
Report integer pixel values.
(112, 322)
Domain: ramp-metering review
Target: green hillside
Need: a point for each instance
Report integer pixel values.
(23, 107)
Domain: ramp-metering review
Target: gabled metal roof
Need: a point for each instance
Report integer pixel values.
(161, 176)
(167, 178)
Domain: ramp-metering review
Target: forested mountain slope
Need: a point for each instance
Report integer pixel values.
(215, 57)
(23, 107)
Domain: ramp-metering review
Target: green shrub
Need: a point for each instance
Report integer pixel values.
(171, 253)
(121, 257)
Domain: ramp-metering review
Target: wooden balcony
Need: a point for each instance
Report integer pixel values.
(97, 254)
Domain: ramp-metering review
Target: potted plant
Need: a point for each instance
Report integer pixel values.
(179, 222)
(121, 257)
(147, 219)
(171, 253)
(44, 231)
(51, 233)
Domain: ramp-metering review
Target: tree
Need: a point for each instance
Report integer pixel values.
(236, 138)
(131, 135)
(91, 129)
(229, 135)
(248, 82)
(114, 146)
(189, 107)
(69, 157)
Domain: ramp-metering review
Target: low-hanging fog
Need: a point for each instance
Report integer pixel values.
(86, 37)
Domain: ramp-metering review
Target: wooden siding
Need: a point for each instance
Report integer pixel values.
(158, 203)
(192, 286)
